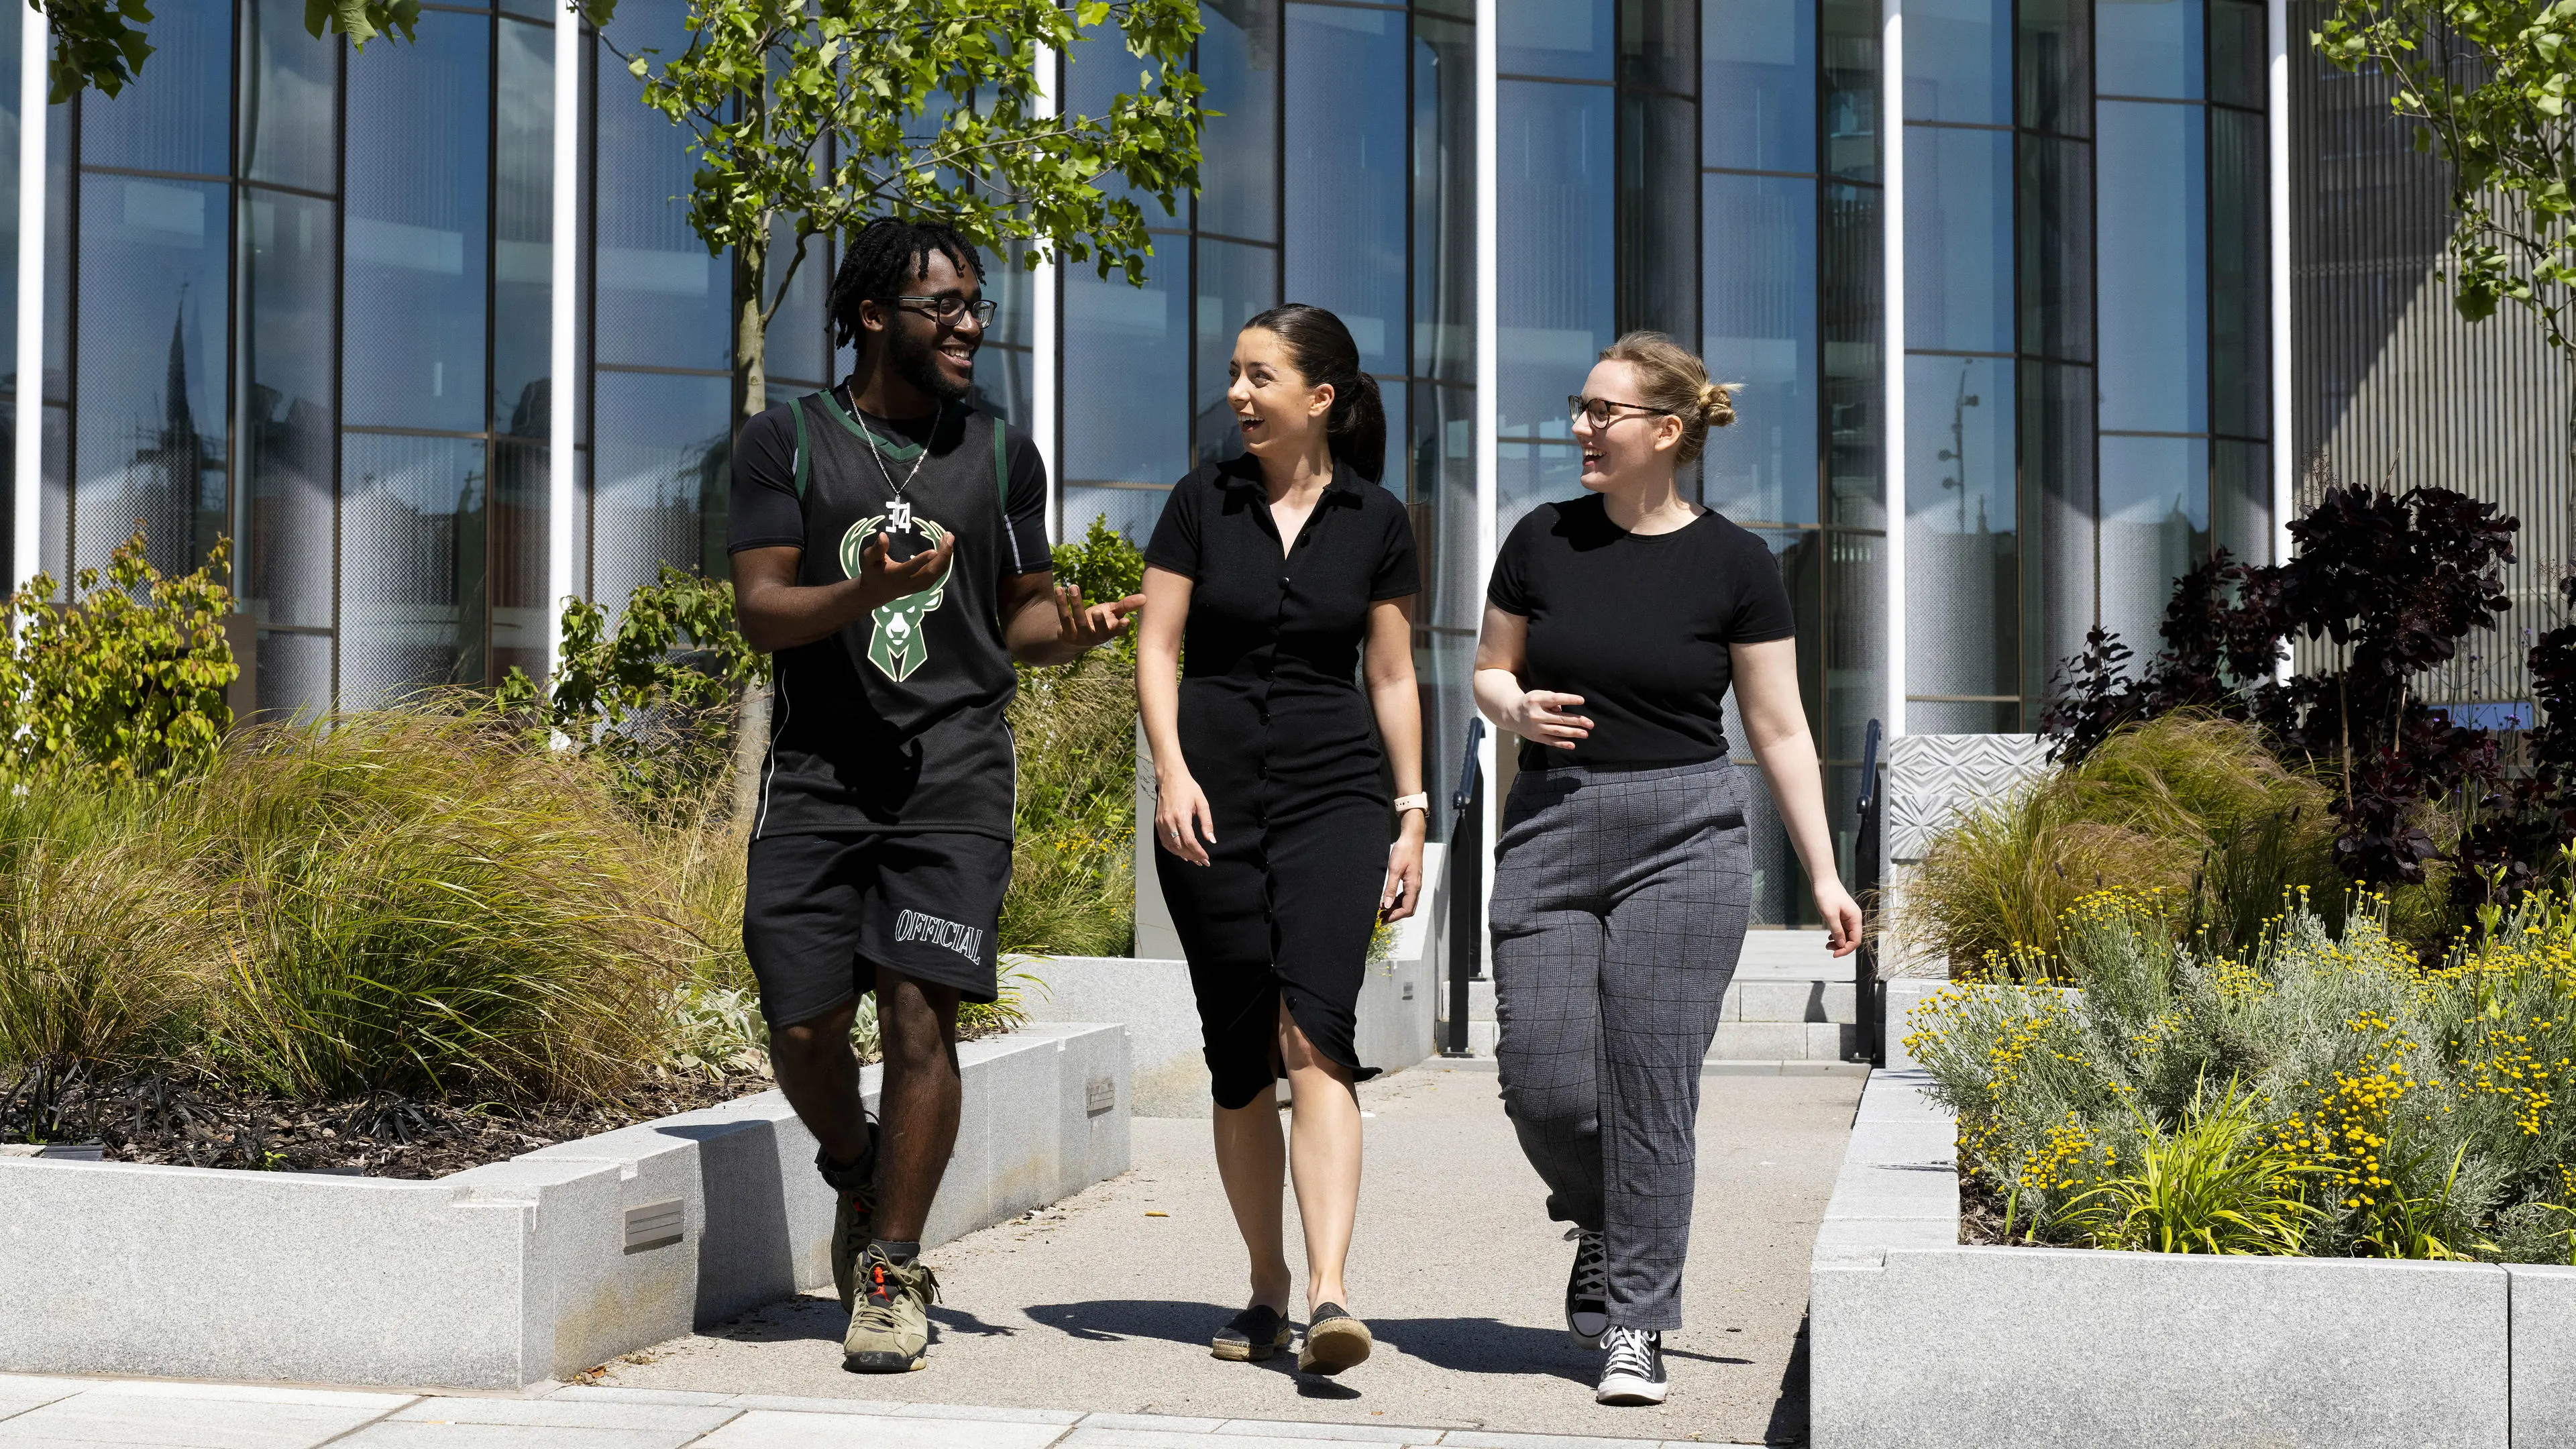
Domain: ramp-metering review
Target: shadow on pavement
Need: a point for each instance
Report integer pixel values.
(1110, 1319)
(1789, 1411)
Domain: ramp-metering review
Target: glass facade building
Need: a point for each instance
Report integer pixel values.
(1997, 276)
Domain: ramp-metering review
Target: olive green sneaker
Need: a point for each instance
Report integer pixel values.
(890, 1327)
(854, 1215)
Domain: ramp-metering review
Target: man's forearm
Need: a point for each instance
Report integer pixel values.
(786, 616)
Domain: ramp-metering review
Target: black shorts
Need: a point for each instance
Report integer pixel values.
(821, 913)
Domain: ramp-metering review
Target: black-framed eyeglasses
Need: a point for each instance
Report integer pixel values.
(949, 311)
(1598, 409)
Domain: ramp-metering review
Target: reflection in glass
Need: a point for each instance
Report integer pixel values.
(1658, 49)
(1235, 281)
(1962, 528)
(1854, 308)
(1760, 330)
(1659, 247)
(1850, 56)
(294, 675)
(416, 223)
(1002, 385)
(797, 346)
(1758, 68)
(1126, 372)
(285, 430)
(522, 225)
(1531, 474)
(1556, 307)
(1129, 511)
(9, 301)
(2056, 242)
(2236, 54)
(1778, 880)
(412, 584)
(659, 486)
(1346, 173)
(2057, 472)
(662, 301)
(1854, 626)
(1568, 38)
(289, 92)
(2239, 263)
(2155, 526)
(2153, 268)
(2147, 48)
(520, 610)
(1441, 425)
(1958, 62)
(1444, 233)
(2240, 500)
(1958, 239)
(177, 115)
(153, 323)
(2056, 66)
(1238, 172)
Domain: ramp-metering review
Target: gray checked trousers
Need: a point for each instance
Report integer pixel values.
(1619, 907)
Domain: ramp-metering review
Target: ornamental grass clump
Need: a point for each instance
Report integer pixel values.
(2316, 1091)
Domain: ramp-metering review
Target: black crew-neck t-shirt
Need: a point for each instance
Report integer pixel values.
(1637, 624)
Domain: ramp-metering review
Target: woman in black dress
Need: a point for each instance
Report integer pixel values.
(1283, 572)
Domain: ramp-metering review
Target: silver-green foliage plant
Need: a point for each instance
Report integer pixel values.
(2395, 1109)
(811, 117)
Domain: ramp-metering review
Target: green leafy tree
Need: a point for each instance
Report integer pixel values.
(2488, 84)
(101, 42)
(812, 117)
(125, 675)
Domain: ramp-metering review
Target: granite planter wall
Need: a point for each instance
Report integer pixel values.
(512, 1273)
(1919, 1342)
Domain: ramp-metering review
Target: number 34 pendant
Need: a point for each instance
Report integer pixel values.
(899, 516)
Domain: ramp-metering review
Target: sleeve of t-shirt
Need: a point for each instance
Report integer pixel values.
(1509, 588)
(1762, 609)
(1175, 544)
(1025, 548)
(765, 511)
(1399, 567)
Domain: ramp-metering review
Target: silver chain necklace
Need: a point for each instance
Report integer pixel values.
(898, 512)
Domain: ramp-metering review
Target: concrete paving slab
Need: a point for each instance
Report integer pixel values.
(566, 1414)
(426, 1434)
(684, 1398)
(21, 1392)
(773, 1429)
(211, 1419)
(1090, 1438)
(1105, 1302)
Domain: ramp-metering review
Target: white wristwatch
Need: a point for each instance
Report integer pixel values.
(1421, 802)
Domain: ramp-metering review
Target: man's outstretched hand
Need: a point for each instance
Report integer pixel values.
(1081, 626)
(883, 580)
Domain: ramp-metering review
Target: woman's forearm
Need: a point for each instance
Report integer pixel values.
(1158, 703)
(1398, 703)
(1498, 696)
(1798, 787)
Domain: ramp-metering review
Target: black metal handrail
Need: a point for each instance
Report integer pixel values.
(1868, 1008)
(1466, 888)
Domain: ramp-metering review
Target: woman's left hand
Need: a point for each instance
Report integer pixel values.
(1841, 915)
(1403, 888)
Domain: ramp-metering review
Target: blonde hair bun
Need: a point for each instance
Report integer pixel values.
(1672, 379)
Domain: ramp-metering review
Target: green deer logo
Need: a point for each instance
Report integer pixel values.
(897, 645)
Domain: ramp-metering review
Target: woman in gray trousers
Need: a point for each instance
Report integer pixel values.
(1613, 626)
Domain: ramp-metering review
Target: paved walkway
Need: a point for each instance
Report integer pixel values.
(1105, 1301)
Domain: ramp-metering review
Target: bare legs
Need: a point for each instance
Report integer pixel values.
(1323, 1148)
(917, 1023)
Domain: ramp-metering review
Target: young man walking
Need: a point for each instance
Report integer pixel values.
(889, 548)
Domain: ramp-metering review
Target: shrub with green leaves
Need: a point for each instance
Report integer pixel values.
(2319, 1084)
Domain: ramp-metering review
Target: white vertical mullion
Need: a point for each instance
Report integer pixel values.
(1488, 370)
(27, 485)
(1891, 220)
(1043, 340)
(2277, 121)
(563, 386)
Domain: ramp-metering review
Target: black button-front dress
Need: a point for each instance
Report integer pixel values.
(1278, 731)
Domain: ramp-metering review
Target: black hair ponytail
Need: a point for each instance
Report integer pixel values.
(1322, 349)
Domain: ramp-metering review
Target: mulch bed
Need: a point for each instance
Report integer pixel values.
(196, 1123)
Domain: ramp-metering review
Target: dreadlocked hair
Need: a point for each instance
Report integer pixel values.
(882, 261)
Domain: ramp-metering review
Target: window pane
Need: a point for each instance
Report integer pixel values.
(1129, 511)
(1962, 538)
(1441, 423)
(796, 347)
(2058, 570)
(1958, 62)
(1444, 188)
(1556, 304)
(1657, 46)
(286, 434)
(1239, 64)
(1958, 239)
(153, 322)
(1853, 292)
(664, 449)
(2237, 53)
(2154, 235)
(1235, 281)
(1126, 373)
(1346, 173)
(1851, 47)
(416, 224)
(662, 301)
(1758, 85)
(2155, 525)
(1760, 330)
(177, 115)
(2239, 273)
(2057, 66)
(1659, 252)
(2056, 248)
(523, 224)
(1531, 474)
(2240, 500)
(1002, 385)
(289, 96)
(1855, 646)
(412, 586)
(1570, 38)
(520, 610)
(2147, 48)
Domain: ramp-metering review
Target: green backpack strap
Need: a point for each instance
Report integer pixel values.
(798, 408)
(1002, 469)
